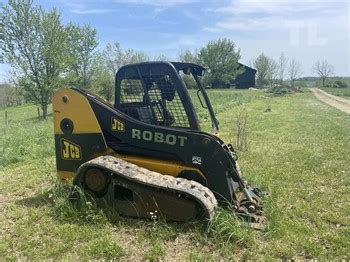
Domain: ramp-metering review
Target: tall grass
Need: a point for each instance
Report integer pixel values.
(298, 152)
(26, 141)
(227, 229)
(344, 92)
(81, 209)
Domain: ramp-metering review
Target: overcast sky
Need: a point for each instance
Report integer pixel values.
(304, 30)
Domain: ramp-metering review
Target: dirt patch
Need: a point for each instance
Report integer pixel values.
(3, 199)
(177, 250)
(128, 240)
(334, 101)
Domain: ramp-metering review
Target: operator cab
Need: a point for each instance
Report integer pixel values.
(155, 93)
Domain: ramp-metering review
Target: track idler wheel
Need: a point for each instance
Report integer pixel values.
(96, 182)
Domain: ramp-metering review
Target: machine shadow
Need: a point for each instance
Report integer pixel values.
(76, 215)
(36, 201)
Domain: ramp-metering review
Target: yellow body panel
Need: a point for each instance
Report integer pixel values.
(65, 175)
(169, 168)
(68, 103)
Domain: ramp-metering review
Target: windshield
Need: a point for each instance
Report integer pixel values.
(201, 102)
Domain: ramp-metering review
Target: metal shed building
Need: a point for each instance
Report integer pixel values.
(246, 79)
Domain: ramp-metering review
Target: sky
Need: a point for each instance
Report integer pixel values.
(307, 30)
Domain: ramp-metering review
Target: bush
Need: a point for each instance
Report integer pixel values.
(281, 91)
(337, 84)
(340, 84)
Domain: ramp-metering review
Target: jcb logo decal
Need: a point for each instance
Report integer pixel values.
(117, 125)
(70, 151)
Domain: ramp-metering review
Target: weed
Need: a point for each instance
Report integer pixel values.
(268, 107)
(242, 130)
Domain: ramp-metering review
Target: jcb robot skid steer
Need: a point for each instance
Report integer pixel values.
(146, 155)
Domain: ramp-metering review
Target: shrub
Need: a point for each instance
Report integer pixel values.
(340, 84)
(280, 90)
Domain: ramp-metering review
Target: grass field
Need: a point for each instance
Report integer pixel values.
(344, 92)
(299, 152)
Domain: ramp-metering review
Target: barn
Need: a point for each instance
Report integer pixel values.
(246, 79)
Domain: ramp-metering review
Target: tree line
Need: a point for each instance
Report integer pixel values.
(271, 72)
(45, 54)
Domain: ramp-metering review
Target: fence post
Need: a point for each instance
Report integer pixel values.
(6, 121)
(38, 112)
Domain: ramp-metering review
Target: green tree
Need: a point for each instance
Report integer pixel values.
(82, 42)
(187, 56)
(106, 64)
(161, 57)
(262, 66)
(105, 85)
(115, 57)
(103, 78)
(131, 57)
(221, 58)
(34, 43)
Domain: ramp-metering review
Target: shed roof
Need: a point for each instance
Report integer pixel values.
(247, 67)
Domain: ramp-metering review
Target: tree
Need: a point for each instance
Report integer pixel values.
(81, 42)
(294, 71)
(221, 58)
(130, 56)
(272, 71)
(34, 43)
(161, 58)
(112, 55)
(9, 95)
(324, 70)
(187, 56)
(282, 64)
(106, 64)
(262, 66)
(115, 57)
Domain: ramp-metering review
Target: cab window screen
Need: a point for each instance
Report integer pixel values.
(131, 91)
(153, 99)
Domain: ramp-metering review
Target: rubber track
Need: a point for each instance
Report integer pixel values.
(141, 175)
